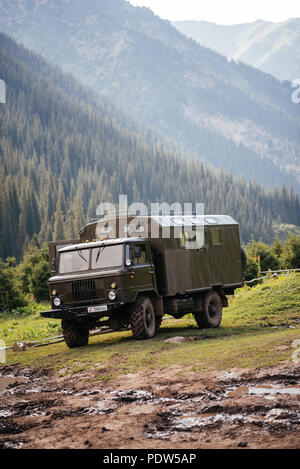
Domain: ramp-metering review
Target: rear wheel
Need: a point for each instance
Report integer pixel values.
(211, 313)
(142, 318)
(75, 334)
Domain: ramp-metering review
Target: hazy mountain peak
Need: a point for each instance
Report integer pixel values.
(270, 46)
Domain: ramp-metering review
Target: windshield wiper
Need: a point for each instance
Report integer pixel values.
(81, 255)
(98, 253)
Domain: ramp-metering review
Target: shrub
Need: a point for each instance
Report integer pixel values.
(290, 256)
(252, 269)
(263, 255)
(10, 296)
(34, 271)
(39, 280)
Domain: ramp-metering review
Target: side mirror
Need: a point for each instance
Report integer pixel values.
(54, 264)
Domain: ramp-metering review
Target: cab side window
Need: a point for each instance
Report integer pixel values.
(138, 254)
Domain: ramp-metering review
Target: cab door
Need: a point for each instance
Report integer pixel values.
(142, 268)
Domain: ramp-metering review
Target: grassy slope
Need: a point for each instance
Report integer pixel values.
(254, 333)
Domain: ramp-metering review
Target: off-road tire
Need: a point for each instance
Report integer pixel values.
(211, 313)
(142, 318)
(75, 334)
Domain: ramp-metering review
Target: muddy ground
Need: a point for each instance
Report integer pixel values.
(166, 409)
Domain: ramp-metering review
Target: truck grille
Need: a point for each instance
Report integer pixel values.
(84, 290)
(124, 295)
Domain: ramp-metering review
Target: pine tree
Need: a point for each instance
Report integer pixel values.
(59, 224)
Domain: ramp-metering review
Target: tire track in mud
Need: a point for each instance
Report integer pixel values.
(39, 410)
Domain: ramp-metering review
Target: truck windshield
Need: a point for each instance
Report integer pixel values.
(104, 257)
(74, 261)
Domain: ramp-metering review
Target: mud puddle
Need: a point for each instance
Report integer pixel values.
(262, 391)
(198, 410)
(11, 381)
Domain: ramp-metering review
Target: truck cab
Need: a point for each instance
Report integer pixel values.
(94, 280)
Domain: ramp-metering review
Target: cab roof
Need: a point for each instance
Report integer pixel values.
(174, 220)
(99, 243)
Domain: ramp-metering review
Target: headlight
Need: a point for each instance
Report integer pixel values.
(112, 295)
(57, 301)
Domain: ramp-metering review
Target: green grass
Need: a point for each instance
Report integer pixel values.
(26, 324)
(257, 330)
(273, 303)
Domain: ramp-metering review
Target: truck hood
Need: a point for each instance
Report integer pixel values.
(88, 275)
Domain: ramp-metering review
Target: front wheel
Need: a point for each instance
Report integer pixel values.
(142, 318)
(211, 313)
(75, 334)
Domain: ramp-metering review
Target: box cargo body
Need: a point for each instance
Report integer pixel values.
(180, 269)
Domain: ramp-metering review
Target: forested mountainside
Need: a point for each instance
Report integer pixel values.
(271, 47)
(228, 114)
(63, 151)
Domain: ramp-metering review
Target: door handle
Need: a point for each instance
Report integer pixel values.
(151, 271)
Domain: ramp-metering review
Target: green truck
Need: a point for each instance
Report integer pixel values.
(131, 271)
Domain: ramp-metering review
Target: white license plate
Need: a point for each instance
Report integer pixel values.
(97, 309)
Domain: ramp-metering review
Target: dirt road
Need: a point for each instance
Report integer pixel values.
(169, 409)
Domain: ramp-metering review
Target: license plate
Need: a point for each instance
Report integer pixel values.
(97, 309)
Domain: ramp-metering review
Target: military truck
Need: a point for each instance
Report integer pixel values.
(129, 272)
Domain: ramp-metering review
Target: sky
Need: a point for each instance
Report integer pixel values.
(223, 11)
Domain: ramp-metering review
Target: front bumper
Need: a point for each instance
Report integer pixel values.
(79, 312)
